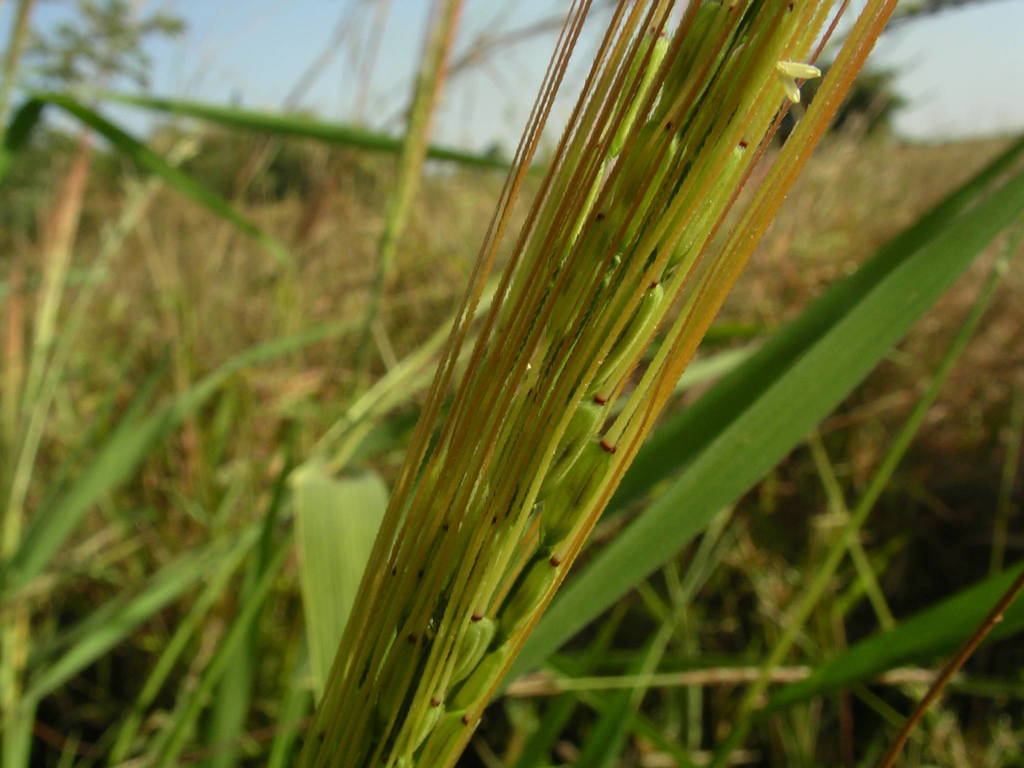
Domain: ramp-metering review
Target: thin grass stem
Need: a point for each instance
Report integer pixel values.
(429, 82)
(952, 667)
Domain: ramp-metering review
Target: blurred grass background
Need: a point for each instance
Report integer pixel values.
(183, 292)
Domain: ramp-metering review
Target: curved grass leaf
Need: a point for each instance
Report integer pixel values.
(18, 132)
(605, 741)
(280, 124)
(174, 647)
(30, 113)
(294, 707)
(744, 426)
(234, 699)
(124, 450)
(169, 744)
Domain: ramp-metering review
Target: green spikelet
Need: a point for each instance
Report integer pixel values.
(427, 724)
(633, 339)
(639, 96)
(581, 428)
(527, 594)
(560, 511)
(477, 684)
(474, 644)
(444, 734)
(687, 251)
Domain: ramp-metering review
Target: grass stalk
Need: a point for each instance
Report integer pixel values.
(369, 58)
(12, 55)
(499, 490)
(170, 655)
(1008, 480)
(865, 573)
(429, 82)
(952, 667)
(59, 237)
(167, 749)
(14, 361)
(54, 352)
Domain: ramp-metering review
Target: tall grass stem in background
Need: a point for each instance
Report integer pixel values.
(12, 53)
(1008, 480)
(501, 486)
(429, 81)
(59, 237)
(935, 690)
(369, 58)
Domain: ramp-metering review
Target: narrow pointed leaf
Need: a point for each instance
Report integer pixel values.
(734, 435)
(18, 132)
(280, 124)
(115, 620)
(175, 178)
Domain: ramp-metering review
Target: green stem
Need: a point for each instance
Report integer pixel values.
(866, 574)
(1011, 467)
(15, 45)
(410, 164)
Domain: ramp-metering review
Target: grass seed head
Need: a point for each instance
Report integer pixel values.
(518, 461)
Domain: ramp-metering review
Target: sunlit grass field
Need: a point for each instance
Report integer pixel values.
(183, 293)
(239, 347)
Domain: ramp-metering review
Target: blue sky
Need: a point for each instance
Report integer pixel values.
(961, 69)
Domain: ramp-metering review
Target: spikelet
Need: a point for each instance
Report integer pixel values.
(474, 645)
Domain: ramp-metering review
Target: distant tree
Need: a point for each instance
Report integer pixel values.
(103, 43)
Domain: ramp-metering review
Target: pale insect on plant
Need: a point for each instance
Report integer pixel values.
(515, 456)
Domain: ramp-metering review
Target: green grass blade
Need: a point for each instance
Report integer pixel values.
(172, 740)
(743, 427)
(18, 132)
(172, 651)
(229, 710)
(111, 623)
(815, 587)
(233, 700)
(715, 366)
(336, 522)
(50, 526)
(280, 124)
(934, 631)
(16, 728)
(687, 434)
(556, 717)
(294, 707)
(175, 178)
(558, 712)
(429, 82)
(125, 450)
(605, 741)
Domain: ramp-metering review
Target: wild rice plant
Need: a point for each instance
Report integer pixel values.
(504, 479)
